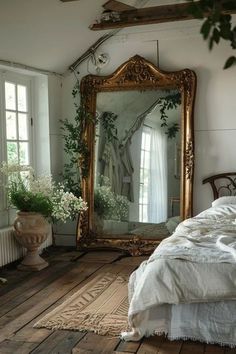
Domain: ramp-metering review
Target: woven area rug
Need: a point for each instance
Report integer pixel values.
(101, 306)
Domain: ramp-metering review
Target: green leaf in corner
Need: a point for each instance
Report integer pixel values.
(205, 29)
(229, 62)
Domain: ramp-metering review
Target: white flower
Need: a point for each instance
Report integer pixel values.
(12, 168)
(46, 196)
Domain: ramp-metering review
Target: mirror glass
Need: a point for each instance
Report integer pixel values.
(137, 163)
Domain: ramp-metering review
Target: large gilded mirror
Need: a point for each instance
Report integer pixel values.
(140, 156)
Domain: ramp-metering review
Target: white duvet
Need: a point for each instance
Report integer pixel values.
(187, 288)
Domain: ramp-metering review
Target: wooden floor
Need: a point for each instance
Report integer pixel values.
(29, 296)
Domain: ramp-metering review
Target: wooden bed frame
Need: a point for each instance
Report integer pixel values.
(223, 184)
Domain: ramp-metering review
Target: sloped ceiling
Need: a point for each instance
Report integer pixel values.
(50, 34)
(47, 34)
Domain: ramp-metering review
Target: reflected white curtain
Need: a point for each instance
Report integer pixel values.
(157, 191)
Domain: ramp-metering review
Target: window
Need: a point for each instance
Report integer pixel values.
(21, 97)
(17, 122)
(153, 176)
(15, 129)
(144, 174)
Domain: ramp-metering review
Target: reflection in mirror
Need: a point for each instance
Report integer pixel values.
(137, 183)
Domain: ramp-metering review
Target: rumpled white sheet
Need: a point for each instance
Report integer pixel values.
(195, 267)
(209, 237)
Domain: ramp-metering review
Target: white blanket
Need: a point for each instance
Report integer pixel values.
(209, 237)
(197, 264)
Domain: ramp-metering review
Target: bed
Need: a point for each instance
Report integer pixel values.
(187, 288)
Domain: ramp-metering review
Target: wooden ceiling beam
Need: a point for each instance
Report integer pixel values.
(150, 15)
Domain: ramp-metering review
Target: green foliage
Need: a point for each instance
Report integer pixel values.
(217, 24)
(172, 101)
(107, 120)
(109, 205)
(76, 147)
(27, 201)
(75, 144)
(23, 199)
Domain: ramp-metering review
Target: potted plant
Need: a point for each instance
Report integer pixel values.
(38, 201)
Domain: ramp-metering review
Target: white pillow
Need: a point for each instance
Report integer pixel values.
(172, 223)
(224, 200)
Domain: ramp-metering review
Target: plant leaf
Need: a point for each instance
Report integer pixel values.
(229, 62)
(205, 29)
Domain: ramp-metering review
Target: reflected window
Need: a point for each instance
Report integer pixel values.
(17, 123)
(144, 174)
(153, 176)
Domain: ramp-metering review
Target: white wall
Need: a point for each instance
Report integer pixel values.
(180, 46)
(55, 115)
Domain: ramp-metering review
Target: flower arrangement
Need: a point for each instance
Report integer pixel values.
(107, 204)
(41, 195)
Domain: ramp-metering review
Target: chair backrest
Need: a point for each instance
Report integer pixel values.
(223, 184)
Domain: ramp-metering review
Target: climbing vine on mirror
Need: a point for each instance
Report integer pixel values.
(166, 103)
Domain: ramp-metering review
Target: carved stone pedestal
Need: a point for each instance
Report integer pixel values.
(31, 230)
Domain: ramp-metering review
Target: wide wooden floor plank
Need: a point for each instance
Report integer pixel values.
(59, 342)
(101, 257)
(135, 261)
(94, 344)
(12, 347)
(230, 351)
(128, 347)
(214, 349)
(171, 347)
(151, 345)
(30, 287)
(192, 347)
(14, 278)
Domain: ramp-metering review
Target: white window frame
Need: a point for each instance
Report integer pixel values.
(17, 79)
(146, 130)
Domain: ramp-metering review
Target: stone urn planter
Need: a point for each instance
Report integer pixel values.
(31, 230)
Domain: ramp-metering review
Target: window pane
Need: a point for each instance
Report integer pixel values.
(147, 161)
(141, 194)
(24, 153)
(11, 125)
(21, 98)
(147, 142)
(141, 175)
(143, 140)
(140, 212)
(12, 152)
(145, 213)
(10, 95)
(22, 126)
(145, 194)
(25, 176)
(142, 159)
(146, 176)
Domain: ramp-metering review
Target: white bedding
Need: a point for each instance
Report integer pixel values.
(187, 288)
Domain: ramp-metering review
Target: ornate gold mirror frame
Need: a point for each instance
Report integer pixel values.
(137, 74)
